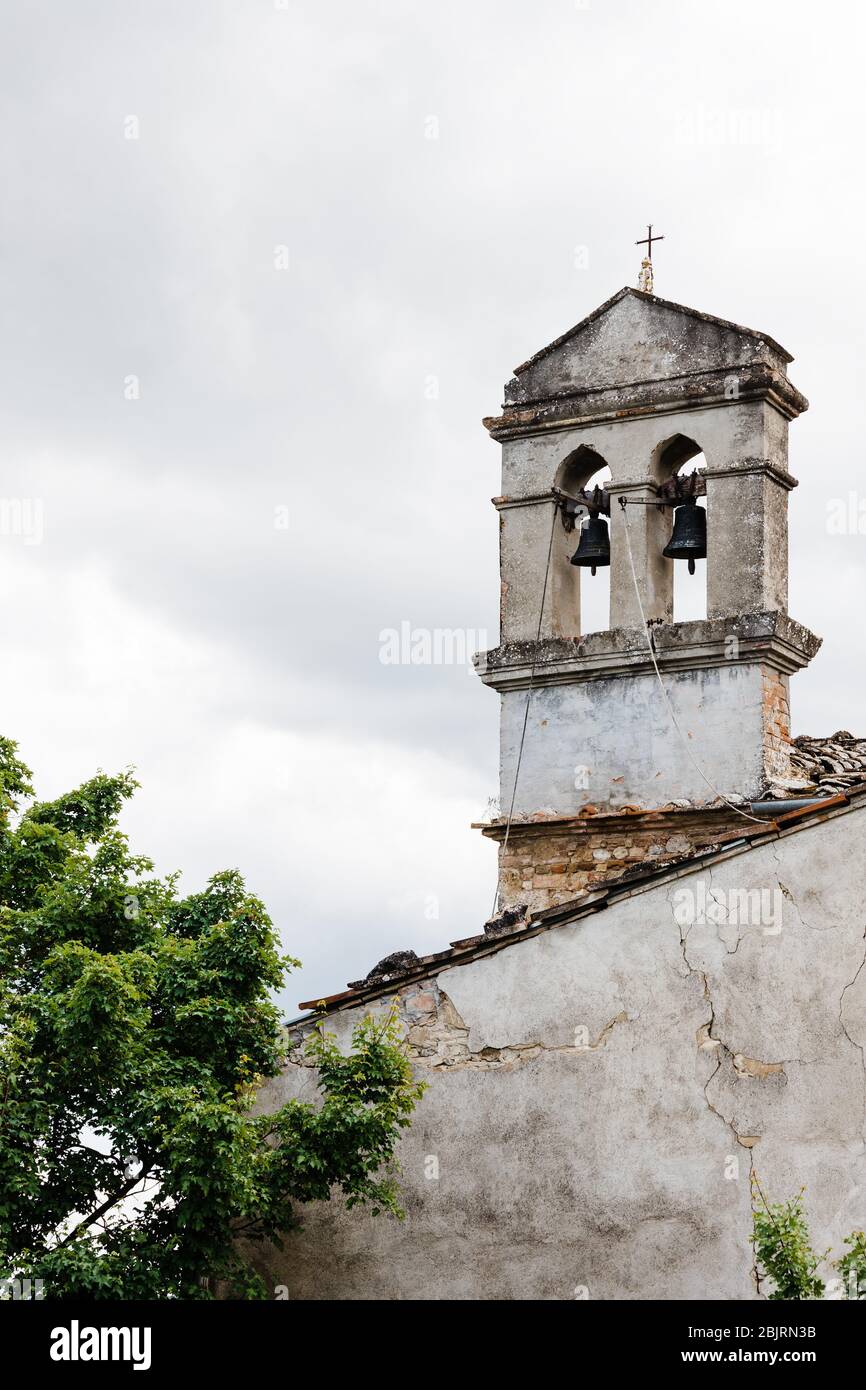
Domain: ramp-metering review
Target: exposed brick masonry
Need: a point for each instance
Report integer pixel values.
(550, 862)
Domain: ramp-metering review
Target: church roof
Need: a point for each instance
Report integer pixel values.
(404, 967)
(638, 354)
(660, 303)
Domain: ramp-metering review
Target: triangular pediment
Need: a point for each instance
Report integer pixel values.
(637, 337)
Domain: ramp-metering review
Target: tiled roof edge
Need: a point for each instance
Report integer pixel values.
(588, 903)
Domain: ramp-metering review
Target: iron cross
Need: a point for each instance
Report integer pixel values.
(648, 241)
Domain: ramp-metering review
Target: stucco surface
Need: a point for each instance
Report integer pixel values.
(620, 732)
(595, 1127)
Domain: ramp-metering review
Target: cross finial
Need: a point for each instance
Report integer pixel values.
(648, 240)
(645, 279)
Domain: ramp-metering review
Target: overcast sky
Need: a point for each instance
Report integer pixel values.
(264, 268)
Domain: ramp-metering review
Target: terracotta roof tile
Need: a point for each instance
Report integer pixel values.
(834, 764)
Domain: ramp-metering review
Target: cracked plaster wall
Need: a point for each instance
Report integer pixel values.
(593, 1089)
(618, 734)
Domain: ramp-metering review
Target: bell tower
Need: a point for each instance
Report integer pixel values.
(641, 387)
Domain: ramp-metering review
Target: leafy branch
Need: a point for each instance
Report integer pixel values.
(783, 1248)
(135, 1021)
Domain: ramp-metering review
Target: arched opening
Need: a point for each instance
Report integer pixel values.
(682, 456)
(580, 468)
(583, 470)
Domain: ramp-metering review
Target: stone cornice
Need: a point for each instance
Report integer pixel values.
(741, 468)
(755, 465)
(668, 820)
(531, 499)
(770, 639)
(671, 395)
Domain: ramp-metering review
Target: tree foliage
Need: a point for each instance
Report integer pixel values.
(852, 1266)
(783, 1248)
(136, 1026)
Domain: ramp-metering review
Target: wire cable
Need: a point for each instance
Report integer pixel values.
(651, 645)
(525, 713)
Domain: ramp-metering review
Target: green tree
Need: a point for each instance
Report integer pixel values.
(783, 1247)
(136, 1026)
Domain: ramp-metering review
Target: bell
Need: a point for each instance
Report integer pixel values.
(594, 548)
(689, 537)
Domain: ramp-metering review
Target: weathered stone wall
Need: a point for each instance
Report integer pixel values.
(599, 1093)
(547, 864)
(642, 387)
(611, 742)
(743, 506)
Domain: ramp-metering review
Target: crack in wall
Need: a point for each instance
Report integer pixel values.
(443, 1042)
(724, 908)
(757, 1278)
(786, 893)
(438, 1038)
(810, 927)
(743, 1067)
(852, 1041)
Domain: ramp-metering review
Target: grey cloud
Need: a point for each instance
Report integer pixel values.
(559, 127)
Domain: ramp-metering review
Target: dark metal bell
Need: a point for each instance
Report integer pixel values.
(594, 547)
(689, 537)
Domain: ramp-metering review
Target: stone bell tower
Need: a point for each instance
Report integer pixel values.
(642, 386)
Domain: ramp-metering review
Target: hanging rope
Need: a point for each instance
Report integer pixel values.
(525, 713)
(759, 820)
